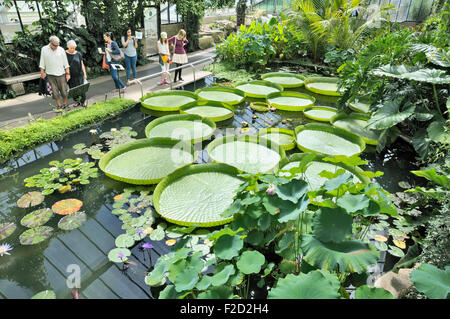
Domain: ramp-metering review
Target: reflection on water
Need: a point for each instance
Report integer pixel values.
(31, 269)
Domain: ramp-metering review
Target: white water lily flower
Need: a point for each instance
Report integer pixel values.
(4, 249)
(68, 170)
(93, 131)
(52, 169)
(113, 130)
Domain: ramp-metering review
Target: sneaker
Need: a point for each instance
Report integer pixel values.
(181, 79)
(161, 82)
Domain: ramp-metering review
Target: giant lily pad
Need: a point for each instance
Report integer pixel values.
(6, 229)
(323, 85)
(72, 221)
(283, 137)
(216, 111)
(258, 89)
(320, 113)
(197, 195)
(325, 139)
(286, 80)
(168, 101)
(222, 94)
(30, 199)
(360, 105)
(37, 218)
(35, 235)
(317, 165)
(186, 127)
(147, 161)
(250, 154)
(356, 123)
(290, 101)
(67, 206)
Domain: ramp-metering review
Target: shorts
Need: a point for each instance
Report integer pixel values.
(59, 86)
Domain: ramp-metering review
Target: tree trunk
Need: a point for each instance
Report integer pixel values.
(240, 13)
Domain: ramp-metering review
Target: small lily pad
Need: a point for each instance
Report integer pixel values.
(72, 221)
(114, 255)
(46, 294)
(6, 230)
(35, 235)
(124, 241)
(37, 218)
(30, 199)
(67, 206)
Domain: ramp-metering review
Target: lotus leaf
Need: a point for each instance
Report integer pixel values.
(228, 246)
(221, 276)
(35, 235)
(352, 203)
(115, 253)
(222, 292)
(186, 279)
(317, 284)
(46, 294)
(37, 218)
(366, 292)
(250, 262)
(204, 283)
(432, 281)
(67, 206)
(30, 199)
(6, 229)
(335, 219)
(72, 221)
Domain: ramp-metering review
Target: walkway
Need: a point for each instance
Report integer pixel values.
(15, 112)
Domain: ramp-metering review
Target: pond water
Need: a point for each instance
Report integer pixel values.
(53, 263)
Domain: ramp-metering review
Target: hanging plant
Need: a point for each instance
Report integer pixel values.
(60, 174)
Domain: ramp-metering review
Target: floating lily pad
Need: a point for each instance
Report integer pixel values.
(250, 154)
(356, 123)
(290, 101)
(170, 100)
(162, 157)
(197, 195)
(286, 80)
(223, 94)
(258, 89)
(361, 106)
(37, 218)
(46, 294)
(259, 106)
(72, 221)
(6, 229)
(283, 137)
(323, 85)
(35, 235)
(215, 111)
(67, 206)
(320, 113)
(124, 241)
(30, 199)
(115, 253)
(186, 127)
(325, 139)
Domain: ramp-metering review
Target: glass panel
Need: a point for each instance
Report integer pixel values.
(9, 19)
(150, 30)
(164, 14)
(173, 14)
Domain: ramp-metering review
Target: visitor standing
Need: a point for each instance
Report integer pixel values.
(130, 45)
(54, 65)
(113, 53)
(179, 54)
(164, 57)
(77, 70)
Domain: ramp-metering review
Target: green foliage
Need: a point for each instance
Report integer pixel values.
(68, 172)
(18, 140)
(432, 281)
(366, 292)
(226, 71)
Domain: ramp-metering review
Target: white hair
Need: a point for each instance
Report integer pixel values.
(53, 39)
(71, 43)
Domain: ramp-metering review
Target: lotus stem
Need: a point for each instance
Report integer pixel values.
(437, 100)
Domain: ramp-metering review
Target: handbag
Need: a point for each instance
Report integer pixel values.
(118, 57)
(104, 65)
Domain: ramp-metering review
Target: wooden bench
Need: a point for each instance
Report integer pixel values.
(15, 83)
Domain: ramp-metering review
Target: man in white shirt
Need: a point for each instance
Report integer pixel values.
(55, 67)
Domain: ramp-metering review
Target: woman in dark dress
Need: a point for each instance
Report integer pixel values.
(77, 70)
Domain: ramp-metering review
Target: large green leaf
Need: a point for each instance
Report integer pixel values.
(335, 219)
(283, 137)
(352, 203)
(186, 279)
(36, 218)
(197, 195)
(250, 262)
(436, 56)
(346, 256)
(389, 115)
(221, 276)
(414, 73)
(323, 85)
(223, 94)
(216, 111)
(222, 292)
(366, 292)
(290, 101)
(228, 247)
(320, 113)
(286, 80)
(356, 123)
(170, 100)
(432, 281)
(162, 157)
(317, 284)
(35, 235)
(258, 89)
(432, 175)
(292, 191)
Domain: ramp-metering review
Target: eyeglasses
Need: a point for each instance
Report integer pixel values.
(54, 45)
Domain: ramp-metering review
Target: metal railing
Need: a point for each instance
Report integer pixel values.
(148, 77)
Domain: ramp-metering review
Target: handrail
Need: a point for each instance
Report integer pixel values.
(147, 77)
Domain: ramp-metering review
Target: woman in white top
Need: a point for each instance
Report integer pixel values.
(164, 57)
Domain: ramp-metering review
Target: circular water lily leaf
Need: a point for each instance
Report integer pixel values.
(30, 199)
(6, 230)
(124, 241)
(37, 218)
(67, 206)
(157, 234)
(46, 294)
(72, 221)
(366, 292)
(250, 262)
(35, 235)
(228, 246)
(119, 255)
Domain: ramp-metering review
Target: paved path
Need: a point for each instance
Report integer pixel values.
(15, 112)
